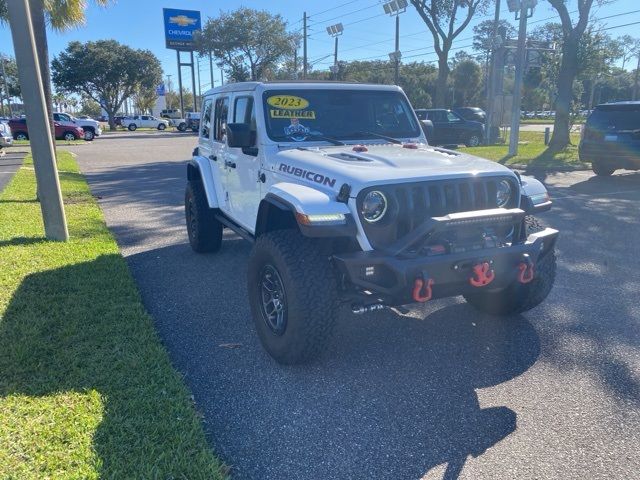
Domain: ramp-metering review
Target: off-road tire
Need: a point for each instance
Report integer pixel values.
(204, 230)
(602, 170)
(473, 140)
(310, 295)
(161, 126)
(182, 127)
(132, 127)
(517, 297)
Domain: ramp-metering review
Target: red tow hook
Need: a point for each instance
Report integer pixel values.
(527, 270)
(483, 275)
(422, 289)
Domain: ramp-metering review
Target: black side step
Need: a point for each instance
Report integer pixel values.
(235, 227)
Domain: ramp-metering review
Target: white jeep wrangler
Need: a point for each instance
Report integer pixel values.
(345, 202)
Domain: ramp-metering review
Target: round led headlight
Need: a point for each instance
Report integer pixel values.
(503, 193)
(374, 206)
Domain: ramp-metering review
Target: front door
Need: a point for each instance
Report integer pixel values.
(242, 183)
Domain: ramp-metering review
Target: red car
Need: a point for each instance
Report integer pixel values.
(19, 130)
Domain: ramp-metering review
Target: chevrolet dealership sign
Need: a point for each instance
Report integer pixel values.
(179, 28)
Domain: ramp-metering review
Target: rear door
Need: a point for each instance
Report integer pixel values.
(206, 147)
(220, 114)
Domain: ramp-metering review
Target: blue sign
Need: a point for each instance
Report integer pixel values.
(160, 90)
(179, 28)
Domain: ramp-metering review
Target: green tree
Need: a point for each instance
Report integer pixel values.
(249, 42)
(484, 38)
(88, 106)
(467, 81)
(144, 99)
(106, 71)
(446, 21)
(569, 66)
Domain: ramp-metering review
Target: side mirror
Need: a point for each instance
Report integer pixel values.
(239, 135)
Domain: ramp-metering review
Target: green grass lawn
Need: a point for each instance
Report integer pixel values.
(86, 388)
(531, 152)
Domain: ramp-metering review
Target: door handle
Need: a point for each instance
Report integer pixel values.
(229, 164)
(213, 157)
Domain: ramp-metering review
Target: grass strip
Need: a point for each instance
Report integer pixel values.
(86, 388)
(532, 152)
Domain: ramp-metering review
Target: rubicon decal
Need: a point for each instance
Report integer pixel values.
(307, 175)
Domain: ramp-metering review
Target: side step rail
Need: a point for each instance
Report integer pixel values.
(235, 227)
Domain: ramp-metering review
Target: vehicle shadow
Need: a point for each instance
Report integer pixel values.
(393, 397)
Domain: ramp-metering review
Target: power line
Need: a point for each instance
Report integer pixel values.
(327, 20)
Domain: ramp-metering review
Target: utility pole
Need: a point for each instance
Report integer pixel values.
(211, 69)
(635, 81)
(199, 84)
(335, 31)
(42, 147)
(491, 74)
(526, 10)
(397, 69)
(304, 46)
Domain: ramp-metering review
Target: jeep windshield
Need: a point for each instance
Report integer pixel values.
(337, 115)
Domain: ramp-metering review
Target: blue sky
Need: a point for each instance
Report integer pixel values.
(368, 32)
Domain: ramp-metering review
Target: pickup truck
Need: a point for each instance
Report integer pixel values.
(144, 121)
(91, 127)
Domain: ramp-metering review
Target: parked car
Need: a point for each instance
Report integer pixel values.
(193, 121)
(171, 113)
(19, 130)
(611, 138)
(472, 113)
(144, 121)
(6, 140)
(450, 128)
(91, 128)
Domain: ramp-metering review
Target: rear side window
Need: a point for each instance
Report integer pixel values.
(615, 118)
(220, 119)
(205, 127)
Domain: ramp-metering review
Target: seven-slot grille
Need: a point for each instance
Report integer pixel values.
(410, 204)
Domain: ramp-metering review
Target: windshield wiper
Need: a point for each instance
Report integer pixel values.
(379, 135)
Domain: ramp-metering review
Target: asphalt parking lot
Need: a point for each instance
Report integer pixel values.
(9, 164)
(442, 392)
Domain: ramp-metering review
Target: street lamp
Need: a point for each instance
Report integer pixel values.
(394, 8)
(335, 31)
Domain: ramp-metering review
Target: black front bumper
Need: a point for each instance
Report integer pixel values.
(390, 276)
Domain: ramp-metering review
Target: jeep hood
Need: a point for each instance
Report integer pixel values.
(383, 164)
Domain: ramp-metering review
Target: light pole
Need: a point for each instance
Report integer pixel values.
(394, 8)
(335, 31)
(168, 92)
(523, 10)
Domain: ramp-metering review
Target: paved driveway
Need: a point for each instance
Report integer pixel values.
(9, 164)
(440, 393)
